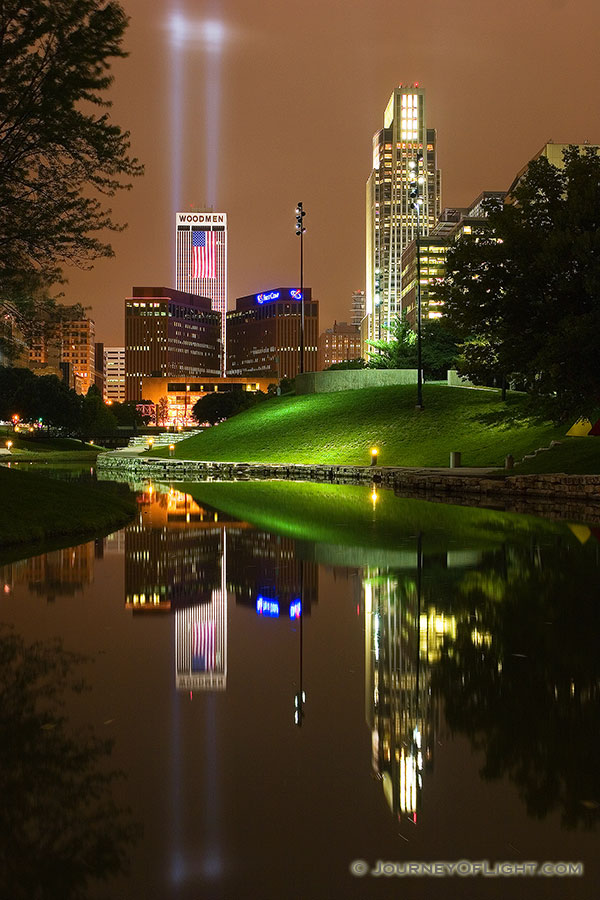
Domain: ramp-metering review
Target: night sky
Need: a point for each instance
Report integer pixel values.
(253, 106)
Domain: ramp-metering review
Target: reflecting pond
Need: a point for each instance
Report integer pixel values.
(255, 685)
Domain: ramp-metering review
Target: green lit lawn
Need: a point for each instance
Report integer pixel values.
(576, 456)
(346, 515)
(340, 428)
(25, 447)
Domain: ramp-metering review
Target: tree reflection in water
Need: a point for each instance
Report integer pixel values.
(61, 827)
(521, 677)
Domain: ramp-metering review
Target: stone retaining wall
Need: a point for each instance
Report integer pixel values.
(419, 482)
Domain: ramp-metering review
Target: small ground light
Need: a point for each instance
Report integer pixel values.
(9, 445)
(374, 454)
(150, 442)
(171, 448)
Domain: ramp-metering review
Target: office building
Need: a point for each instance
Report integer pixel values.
(433, 248)
(338, 344)
(114, 374)
(201, 262)
(263, 334)
(169, 333)
(432, 262)
(391, 217)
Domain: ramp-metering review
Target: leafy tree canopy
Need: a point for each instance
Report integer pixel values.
(439, 348)
(524, 292)
(61, 153)
(216, 406)
(34, 397)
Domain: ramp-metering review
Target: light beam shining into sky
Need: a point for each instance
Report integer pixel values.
(190, 35)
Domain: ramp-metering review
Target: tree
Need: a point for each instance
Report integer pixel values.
(34, 397)
(60, 152)
(53, 770)
(97, 417)
(439, 348)
(162, 410)
(126, 414)
(524, 292)
(216, 406)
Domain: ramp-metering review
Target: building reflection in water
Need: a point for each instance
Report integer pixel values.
(404, 634)
(58, 573)
(176, 560)
(265, 573)
(184, 558)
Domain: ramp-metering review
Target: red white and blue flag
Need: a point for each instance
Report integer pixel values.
(203, 646)
(203, 254)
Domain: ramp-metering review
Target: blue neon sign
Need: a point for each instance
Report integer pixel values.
(267, 607)
(269, 296)
(295, 610)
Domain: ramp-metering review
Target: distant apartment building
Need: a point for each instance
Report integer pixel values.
(338, 344)
(169, 333)
(114, 374)
(67, 349)
(263, 334)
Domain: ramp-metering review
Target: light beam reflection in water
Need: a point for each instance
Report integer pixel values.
(468, 684)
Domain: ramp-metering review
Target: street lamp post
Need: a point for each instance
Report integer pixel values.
(300, 229)
(414, 193)
(187, 388)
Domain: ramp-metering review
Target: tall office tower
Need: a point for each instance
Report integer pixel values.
(169, 334)
(358, 307)
(391, 218)
(201, 261)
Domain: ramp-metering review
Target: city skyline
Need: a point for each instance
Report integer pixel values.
(481, 69)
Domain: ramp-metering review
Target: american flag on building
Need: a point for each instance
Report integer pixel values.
(203, 254)
(203, 646)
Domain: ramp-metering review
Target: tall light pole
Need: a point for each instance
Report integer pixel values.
(416, 168)
(300, 229)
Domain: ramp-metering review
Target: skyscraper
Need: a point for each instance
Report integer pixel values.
(391, 218)
(201, 261)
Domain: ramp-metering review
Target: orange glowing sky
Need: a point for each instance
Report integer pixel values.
(300, 88)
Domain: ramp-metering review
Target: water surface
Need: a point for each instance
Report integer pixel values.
(288, 678)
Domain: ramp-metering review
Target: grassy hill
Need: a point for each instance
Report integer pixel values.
(340, 428)
(35, 508)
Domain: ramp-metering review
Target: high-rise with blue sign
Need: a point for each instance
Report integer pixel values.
(263, 333)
